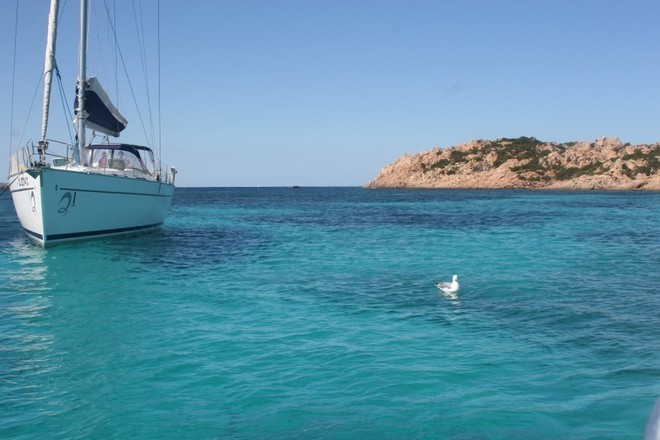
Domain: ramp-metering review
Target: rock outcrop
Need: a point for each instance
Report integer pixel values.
(606, 164)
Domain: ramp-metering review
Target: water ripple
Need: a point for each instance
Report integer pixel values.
(269, 312)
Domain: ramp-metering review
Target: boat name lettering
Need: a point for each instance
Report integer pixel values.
(23, 181)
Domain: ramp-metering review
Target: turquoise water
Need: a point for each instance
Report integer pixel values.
(311, 313)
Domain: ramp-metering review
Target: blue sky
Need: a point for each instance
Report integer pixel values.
(327, 92)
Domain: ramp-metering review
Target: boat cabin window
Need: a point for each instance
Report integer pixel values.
(122, 159)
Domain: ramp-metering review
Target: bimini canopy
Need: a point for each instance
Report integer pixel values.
(133, 149)
(103, 116)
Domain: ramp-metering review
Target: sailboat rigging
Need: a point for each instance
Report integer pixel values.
(92, 190)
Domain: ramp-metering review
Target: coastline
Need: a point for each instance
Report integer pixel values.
(527, 163)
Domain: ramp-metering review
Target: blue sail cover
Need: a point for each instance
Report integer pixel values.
(102, 115)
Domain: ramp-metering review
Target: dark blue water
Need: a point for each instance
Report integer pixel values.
(311, 313)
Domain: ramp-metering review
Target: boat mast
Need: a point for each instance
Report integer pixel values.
(81, 122)
(49, 66)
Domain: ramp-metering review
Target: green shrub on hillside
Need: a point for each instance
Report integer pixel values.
(440, 163)
(458, 156)
(651, 159)
(573, 172)
(520, 148)
(533, 165)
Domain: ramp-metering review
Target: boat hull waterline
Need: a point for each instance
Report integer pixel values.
(59, 205)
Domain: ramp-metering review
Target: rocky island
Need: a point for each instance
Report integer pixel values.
(526, 162)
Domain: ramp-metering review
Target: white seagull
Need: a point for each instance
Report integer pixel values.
(449, 287)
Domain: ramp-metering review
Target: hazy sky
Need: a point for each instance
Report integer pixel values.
(327, 92)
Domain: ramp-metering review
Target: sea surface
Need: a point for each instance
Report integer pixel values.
(311, 313)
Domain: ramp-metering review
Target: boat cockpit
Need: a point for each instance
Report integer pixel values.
(125, 158)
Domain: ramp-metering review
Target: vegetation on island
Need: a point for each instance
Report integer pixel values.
(531, 162)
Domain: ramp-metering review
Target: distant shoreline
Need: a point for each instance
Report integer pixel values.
(527, 163)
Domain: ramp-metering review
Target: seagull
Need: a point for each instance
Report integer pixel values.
(449, 287)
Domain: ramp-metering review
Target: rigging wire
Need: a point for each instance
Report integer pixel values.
(98, 52)
(142, 50)
(115, 56)
(102, 55)
(160, 123)
(13, 80)
(38, 83)
(34, 98)
(65, 104)
(128, 79)
(9, 185)
(13, 88)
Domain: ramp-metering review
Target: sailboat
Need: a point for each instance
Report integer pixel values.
(90, 190)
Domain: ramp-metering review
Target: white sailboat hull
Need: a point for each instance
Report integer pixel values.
(59, 205)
